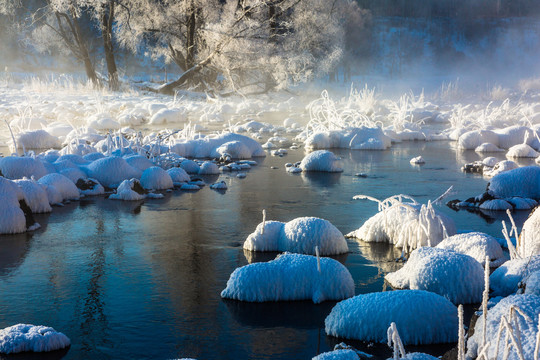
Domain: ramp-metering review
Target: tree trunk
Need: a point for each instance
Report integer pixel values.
(190, 39)
(83, 50)
(106, 31)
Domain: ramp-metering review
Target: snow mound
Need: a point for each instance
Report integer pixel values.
(321, 160)
(341, 354)
(472, 139)
(25, 337)
(457, 277)
(487, 148)
(139, 162)
(406, 225)
(523, 182)
(522, 151)
(477, 245)
(178, 176)
(190, 166)
(125, 191)
(206, 147)
(37, 139)
(530, 235)
(505, 280)
(421, 317)
(500, 167)
(65, 187)
(35, 195)
(208, 168)
(12, 219)
(528, 328)
(417, 356)
(155, 178)
(222, 185)
(236, 149)
(290, 277)
(532, 283)
(362, 138)
(14, 167)
(496, 205)
(417, 160)
(167, 116)
(300, 235)
(112, 170)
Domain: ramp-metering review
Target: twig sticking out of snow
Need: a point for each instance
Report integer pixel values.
(264, 221)
(12, 136)
(395, 341)
(444, 195)
(485, 298)
(511, 248)
(318, 259)
(461, 335)
(513, 333)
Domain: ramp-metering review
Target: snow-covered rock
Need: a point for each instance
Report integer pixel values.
(321, 160)
(421, 317)
(530, 235)
(362, 138)
(206, 147)
(417, 160)
(35, 195)
(487, 148)
(477, 245)
(12, 219)
(500, 167)
(532, 283)
(522, 151)
(523, 182)
(112, 170)
(125, 191)
(236, 149)
(505, 279)
(190, 166)
(178, 176)
(139, 162)
(155, 178)
(14, 167)
(208, 168)
(290, 277)
(37, 139)
(457, 277)
(340, 354)
(37, 338)
(167, 116)
(300, 235)
(472, 139)
(528, 328)
(65, 187)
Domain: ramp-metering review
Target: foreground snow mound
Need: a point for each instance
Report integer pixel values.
(321, 160)
(290, 277)
(457, 277)
(528, 328)
(12, 219)
(341, 354)
(207, 147)
(421, 317)
(529, 243)
(300, 235)
(505, 280)
(532, 283)
(112, 170)
(523, 182)
(37, 338)
(417, 356)
(129, 190)
(65, 187)
(37, 139)
(14, 167)
(362, 138)
(477, 245)
(155, 178)
(472, 139)
(139, 162)
(36, 196)
(406, 225)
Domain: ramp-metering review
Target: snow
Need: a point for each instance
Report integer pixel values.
(500, 167)
(340, 354)
(528, 328)
(65, 187)
(208, 168)
(166, 116)
(472, 139)
(222, 185)
(155, 178)
(35, 195)
(207, 147)
(496, 205)
(190, 166)
(477, 245)
(505, 280)
(421, 317)
(12, 220)
(487, 148)
(125, 191)
(523, 182)
(530, 235)
(37, 139)
(111, 171)
(178, 176)
(300, 235)
(405, 224)
(139, 162)
(362, 138)
(321, 160)
(417, 356)
(457, 277)
(522, 151)
(236, 149)
(290, 277)
(532, 283)
(417, 160)
(37, 338)
(14, 167)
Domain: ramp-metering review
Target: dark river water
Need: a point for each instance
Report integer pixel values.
(134, 280)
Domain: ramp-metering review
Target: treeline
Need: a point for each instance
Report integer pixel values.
(461, 9)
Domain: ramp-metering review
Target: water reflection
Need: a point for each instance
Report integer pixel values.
(321, 179)
(260, 256)
(14, 250)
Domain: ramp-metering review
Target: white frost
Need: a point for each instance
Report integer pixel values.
(477, 245)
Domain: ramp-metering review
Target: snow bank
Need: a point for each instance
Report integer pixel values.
(530, 235)
(290, 277)
(406, 225)
(523, 182)
(111, 171)
(35, 195)
(421, 317)
(505, 280)
(12, 219)
(528, 328)
(321, 160)
(167, 116)
(300, 235)
(477, 245)
(362, 138)
(14, 167)
(65, 187)
(207, 147)
(155, 178)
(125, 191)
(37, 338)
(457, 277)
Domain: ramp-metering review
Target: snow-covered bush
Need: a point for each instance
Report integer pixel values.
(291, 277)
